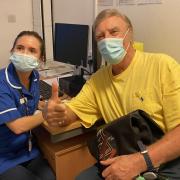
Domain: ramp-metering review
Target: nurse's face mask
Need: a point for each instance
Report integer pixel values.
(24, 62)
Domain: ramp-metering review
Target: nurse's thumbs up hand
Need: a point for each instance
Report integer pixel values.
(55, 112)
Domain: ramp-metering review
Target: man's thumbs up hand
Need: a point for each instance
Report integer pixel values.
(55, 92)
(55, 112)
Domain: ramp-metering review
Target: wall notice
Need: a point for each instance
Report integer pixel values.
(105, 2)
(126, 2)
(149, 1)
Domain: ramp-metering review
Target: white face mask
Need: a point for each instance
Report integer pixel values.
(23, 62)
(112, 49)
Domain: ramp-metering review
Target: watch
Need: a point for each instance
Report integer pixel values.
(146, 156)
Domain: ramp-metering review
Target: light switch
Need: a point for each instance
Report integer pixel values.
(11, 18)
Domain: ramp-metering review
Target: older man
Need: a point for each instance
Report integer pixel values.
(132, 80)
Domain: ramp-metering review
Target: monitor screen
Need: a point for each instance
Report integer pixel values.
(71, 43)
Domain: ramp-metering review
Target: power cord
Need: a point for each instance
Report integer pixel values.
(90, 63)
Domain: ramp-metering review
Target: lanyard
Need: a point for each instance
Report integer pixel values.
(24, 101)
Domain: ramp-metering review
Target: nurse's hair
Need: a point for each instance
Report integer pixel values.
(34, 34)
(109, 13)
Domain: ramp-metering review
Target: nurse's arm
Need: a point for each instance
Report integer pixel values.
(25, 123)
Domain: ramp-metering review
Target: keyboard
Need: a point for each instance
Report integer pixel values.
(46, 90)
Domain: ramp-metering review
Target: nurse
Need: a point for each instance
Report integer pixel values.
(20, 157)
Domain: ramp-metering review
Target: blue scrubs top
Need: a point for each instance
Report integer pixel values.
(13, 147)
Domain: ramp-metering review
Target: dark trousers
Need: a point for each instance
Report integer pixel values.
(36, 169)
(92, 173)
(171, 170)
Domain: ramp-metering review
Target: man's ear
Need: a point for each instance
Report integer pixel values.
(42, 59)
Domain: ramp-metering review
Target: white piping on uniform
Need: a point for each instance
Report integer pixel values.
(7, 78)
(7, 110)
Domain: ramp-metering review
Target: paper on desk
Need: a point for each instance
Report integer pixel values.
(56, 72)
(65, 75)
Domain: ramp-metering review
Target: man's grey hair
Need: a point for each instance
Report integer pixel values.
(109, 13)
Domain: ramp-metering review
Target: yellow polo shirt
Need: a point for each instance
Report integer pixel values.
(151, 83)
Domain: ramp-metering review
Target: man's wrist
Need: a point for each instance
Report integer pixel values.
(146, 156)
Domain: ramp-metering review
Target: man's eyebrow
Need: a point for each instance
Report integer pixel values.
(114, 29)
(19, 45)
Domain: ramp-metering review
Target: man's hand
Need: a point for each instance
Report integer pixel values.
(55, 112)
(125, 167)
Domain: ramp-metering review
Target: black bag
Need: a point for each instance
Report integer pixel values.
(120, 137)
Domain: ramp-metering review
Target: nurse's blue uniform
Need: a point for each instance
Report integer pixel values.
(16, 102)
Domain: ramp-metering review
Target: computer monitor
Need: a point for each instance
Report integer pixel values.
(71, 43)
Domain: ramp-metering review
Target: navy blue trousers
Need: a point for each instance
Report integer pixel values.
(36, 169)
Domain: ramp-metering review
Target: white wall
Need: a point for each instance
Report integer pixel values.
(37, 16)
(157, 25)
(44, 29)
(15, 16)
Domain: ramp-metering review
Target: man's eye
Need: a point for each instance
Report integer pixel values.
(19, 48)
(114, 32)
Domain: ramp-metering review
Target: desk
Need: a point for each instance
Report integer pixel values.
(65, 148)
(67, 157)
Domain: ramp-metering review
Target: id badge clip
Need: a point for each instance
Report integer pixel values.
(23, 100)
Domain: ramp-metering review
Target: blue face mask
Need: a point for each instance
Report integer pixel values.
(23, 62)
(112, 49)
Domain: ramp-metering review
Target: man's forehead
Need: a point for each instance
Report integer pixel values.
(112, 23)
(118, 19)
